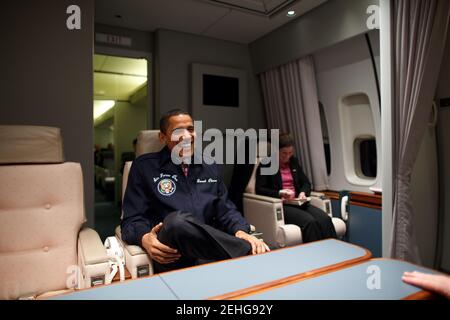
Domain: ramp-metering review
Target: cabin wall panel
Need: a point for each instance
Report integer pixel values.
(176, 51)
(103, 136)
(425, 197)
(140, 40)
(343, 70)
(47, 77)
(333, 22)
(443, 91)
(364, 228)
(444, 152)
(129, 119)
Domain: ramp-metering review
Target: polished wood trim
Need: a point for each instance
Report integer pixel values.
(422, 295)
(373, 201)
(333, 195)
(239, 294)
(251, 290)
(248, 256)
(113, 283)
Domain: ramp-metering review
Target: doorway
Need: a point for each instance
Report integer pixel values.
(120, 110)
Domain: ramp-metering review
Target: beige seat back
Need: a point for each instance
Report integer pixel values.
(147, 142)
(137, 261)
(262, 150)
(41, 211)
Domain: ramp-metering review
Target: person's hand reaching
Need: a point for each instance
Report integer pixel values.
(431, 282)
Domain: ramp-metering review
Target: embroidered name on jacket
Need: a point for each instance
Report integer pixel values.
(207, 181)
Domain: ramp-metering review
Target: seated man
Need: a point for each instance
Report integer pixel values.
(181, 213)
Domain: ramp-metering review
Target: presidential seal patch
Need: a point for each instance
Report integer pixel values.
(166, 187)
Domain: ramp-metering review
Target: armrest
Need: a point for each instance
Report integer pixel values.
(266, 214)
(289, 235)
(93, 260)
(91, 246)
(317, 194)
(132, 249)
(137, 261)
(323, 204)
(262, 198)
(339, 226)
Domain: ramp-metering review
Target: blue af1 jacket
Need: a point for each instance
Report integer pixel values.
(156, 187)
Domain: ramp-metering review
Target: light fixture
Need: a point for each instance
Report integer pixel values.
(102, 106)
(290, 13)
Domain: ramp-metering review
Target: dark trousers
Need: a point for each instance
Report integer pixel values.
(197, 242)
(315, 223)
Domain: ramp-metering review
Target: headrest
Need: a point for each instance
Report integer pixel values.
(30, 144)
(263, 149)
(147, 142)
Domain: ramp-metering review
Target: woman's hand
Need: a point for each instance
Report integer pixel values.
(302, 196)
(286, 194)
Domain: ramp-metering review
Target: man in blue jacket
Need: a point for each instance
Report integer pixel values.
(180, 213)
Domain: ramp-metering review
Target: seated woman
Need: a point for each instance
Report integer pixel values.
(290, 182)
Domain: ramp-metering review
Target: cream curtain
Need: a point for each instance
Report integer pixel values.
(292, 105)
(419, 33)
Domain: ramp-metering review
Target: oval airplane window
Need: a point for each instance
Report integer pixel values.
(365, 150)
(358, 139)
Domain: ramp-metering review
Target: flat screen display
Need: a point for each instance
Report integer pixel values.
(220, 91)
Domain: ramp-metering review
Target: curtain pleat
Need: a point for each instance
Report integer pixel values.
(292, 105)
(419, 33)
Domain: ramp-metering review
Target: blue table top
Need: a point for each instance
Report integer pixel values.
(232, 275)
(142, 289)
(358, 282)
(216, 279)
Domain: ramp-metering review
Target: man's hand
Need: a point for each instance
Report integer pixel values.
(435, 283)
(258, 246)
(158, 251)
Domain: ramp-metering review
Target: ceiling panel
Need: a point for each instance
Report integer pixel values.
(115, 87)
(190, 16)
(232, 28)
(98, 61)
(123, 65)
(200, 17)
(116, 78)
(262, 7)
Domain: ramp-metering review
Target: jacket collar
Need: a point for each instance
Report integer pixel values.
(165, 158)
